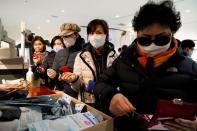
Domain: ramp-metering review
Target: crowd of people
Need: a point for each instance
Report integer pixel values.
(152, 67)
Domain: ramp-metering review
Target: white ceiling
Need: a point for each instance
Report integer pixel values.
(44, 17)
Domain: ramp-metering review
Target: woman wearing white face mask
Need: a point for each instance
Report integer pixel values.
(65, 57)
(56, 45)
(97, 55)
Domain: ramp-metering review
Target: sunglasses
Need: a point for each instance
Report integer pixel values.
(159, 41)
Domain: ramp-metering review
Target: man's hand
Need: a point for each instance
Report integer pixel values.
(120, 105)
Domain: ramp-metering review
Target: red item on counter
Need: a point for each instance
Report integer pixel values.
(38, 91)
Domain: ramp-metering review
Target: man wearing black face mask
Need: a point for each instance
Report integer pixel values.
(28, 45)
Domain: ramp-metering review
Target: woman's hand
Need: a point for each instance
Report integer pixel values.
(40, 70)
(69, 77)
(120, 105)
(181, 125)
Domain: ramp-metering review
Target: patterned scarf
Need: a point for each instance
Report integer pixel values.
(157, 59)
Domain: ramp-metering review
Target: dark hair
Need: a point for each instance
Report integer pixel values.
(56, 38)
(163, 13)
(42, 41)
(187, 43)
(94, 23)
(30, 37)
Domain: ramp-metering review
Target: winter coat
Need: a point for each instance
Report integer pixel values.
(66, 57)
(85, 68)
(176, 78)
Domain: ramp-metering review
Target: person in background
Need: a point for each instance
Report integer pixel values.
(29, 36)
(48, 46)
(57, 44)
(187, 47)
(151, 68)
(65, 58)
(39, 53)
(93, 60)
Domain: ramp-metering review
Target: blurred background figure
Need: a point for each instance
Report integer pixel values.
(187, 47)
(29, 36)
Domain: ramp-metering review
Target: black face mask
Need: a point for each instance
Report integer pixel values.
(159, 41)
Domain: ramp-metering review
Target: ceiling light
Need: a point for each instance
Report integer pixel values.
(38, 27)
(48, 21)
(62, 11)
(25, 1)
(117, 16)
(188, 11)
(54, 16)
(121, 24)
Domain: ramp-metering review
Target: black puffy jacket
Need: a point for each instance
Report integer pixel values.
(176, 78)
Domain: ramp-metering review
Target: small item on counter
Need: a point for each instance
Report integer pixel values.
(30, 76)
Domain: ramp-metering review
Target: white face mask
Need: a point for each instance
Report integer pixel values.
(68, 42)
(56, 48)
(48, 49)
(190, 53)
(97, 40)
(153, 49)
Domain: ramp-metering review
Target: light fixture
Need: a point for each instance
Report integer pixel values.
(38, 27)
(48, 21)
(187, 10)
(117, 16)
(62, 10)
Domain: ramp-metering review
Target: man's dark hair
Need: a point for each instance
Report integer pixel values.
(187, 43)
(163, 13)
(94, 23)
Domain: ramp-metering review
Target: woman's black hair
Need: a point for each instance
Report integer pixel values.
(56, 38)
(163, 13)
(40, 39)
(94, 23)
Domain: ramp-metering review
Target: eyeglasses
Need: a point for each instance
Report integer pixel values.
(159, 41)
(68, 36)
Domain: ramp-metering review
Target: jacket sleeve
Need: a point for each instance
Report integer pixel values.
(194, 68)
(106, 87)
(56, 61)
(45, 62)
(77, 70)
